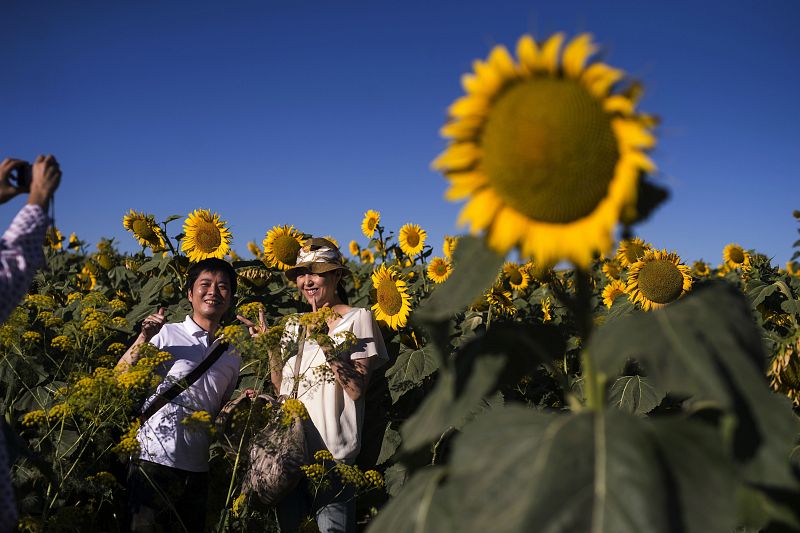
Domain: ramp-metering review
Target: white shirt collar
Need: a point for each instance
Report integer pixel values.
(192, 328)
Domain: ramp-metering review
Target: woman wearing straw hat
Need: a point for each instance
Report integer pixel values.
(335, 406)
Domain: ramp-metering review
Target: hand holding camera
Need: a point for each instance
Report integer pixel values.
(40, 179)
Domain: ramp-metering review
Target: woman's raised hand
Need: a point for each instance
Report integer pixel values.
(255, 329)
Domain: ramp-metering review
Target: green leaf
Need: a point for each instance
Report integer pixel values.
(411, 367)
(475, 269)
(391, 442)
(171, 218)
(707, 345)
(758, 291)
(791, 306)
(516, 469)
(635, 395)
(414, 509)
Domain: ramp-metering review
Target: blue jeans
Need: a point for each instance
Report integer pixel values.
(333, 508)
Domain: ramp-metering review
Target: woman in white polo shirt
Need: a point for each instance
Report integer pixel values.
(335, 407)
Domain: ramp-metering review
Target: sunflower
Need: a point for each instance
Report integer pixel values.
(734, 256)
(206, 236)
(517, 276)
(412, 239)
(657, 279)
(784, 371)
(546, 152)
(281, 246)
(631, 250)
(86, 277)
(449, 246)
(53, 238)
(499, 299)
(612, 269)
(252, 246)
(74, 241)
(611, 291)
(355, 249)
(144, 229)
(439, 269)
(370, 223)
(547, 309)
(332, 240)
(367, 257)
(700, 269)
(793, 268)
(392, 304)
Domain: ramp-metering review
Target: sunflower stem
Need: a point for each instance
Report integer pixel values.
(594, 382)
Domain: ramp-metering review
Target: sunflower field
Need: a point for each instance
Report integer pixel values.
(592, 382)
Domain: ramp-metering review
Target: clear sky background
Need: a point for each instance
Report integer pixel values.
(310, 112)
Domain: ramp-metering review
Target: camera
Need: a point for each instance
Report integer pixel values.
(22, 176)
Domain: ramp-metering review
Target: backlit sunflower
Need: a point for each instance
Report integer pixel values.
(206, 236)
(144, 229)
(546, 152)
(366, 256)
(700, 269)
(612, 269)
(254, 249)
(439, 269)
(517, 276)
(355, 249)
(499, 299)
(281, 246)
(393, 303)
(370, 223)
(53, 238)
(412, 239)
(631, 251)
(611, 291)
(658, 279)
(734, 256)
(449, 246)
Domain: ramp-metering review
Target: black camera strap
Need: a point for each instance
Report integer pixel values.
(181, 385)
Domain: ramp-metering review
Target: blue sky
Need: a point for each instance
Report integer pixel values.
(310, 112)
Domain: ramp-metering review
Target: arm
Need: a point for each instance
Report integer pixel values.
(353, 376)
(150, 326)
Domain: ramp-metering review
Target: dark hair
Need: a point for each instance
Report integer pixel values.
(341, 292)
(211, 264)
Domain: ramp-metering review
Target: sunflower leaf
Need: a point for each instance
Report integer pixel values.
(171, 218)
(619, 473)
(708, 346)
(415, 509)
(411, 367)
(475, 268)
(635, 395)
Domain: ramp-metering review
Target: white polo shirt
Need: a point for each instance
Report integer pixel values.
(164, 440)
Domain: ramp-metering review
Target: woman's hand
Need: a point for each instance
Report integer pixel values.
(255, 329)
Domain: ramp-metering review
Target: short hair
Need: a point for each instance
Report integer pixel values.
(212, 264)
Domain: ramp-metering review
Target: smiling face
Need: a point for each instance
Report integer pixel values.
(319, 288)
(210, 295)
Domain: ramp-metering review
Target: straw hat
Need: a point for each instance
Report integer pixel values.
(318, 256)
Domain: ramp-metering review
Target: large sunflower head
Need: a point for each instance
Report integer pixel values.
(734, 256)
(658, 279)
(281, 246)
(206, 236)
(611, 291)
(449, 246)
(546, 152)
(370, 223)
(517, 276)
(412, 239)
(631, 251)
(144, 229)
(392, 301)
(439, 269)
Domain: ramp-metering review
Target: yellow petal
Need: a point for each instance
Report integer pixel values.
(618, 104)
(576, 53)
(632, 135)
(488, 78)
(598, 78)
(480, 210)
(507, 230)
(458, 156)
(462, 129)
(471, 105)
(548, 60)
(527, 53)
(463, 184)
(500, 60)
